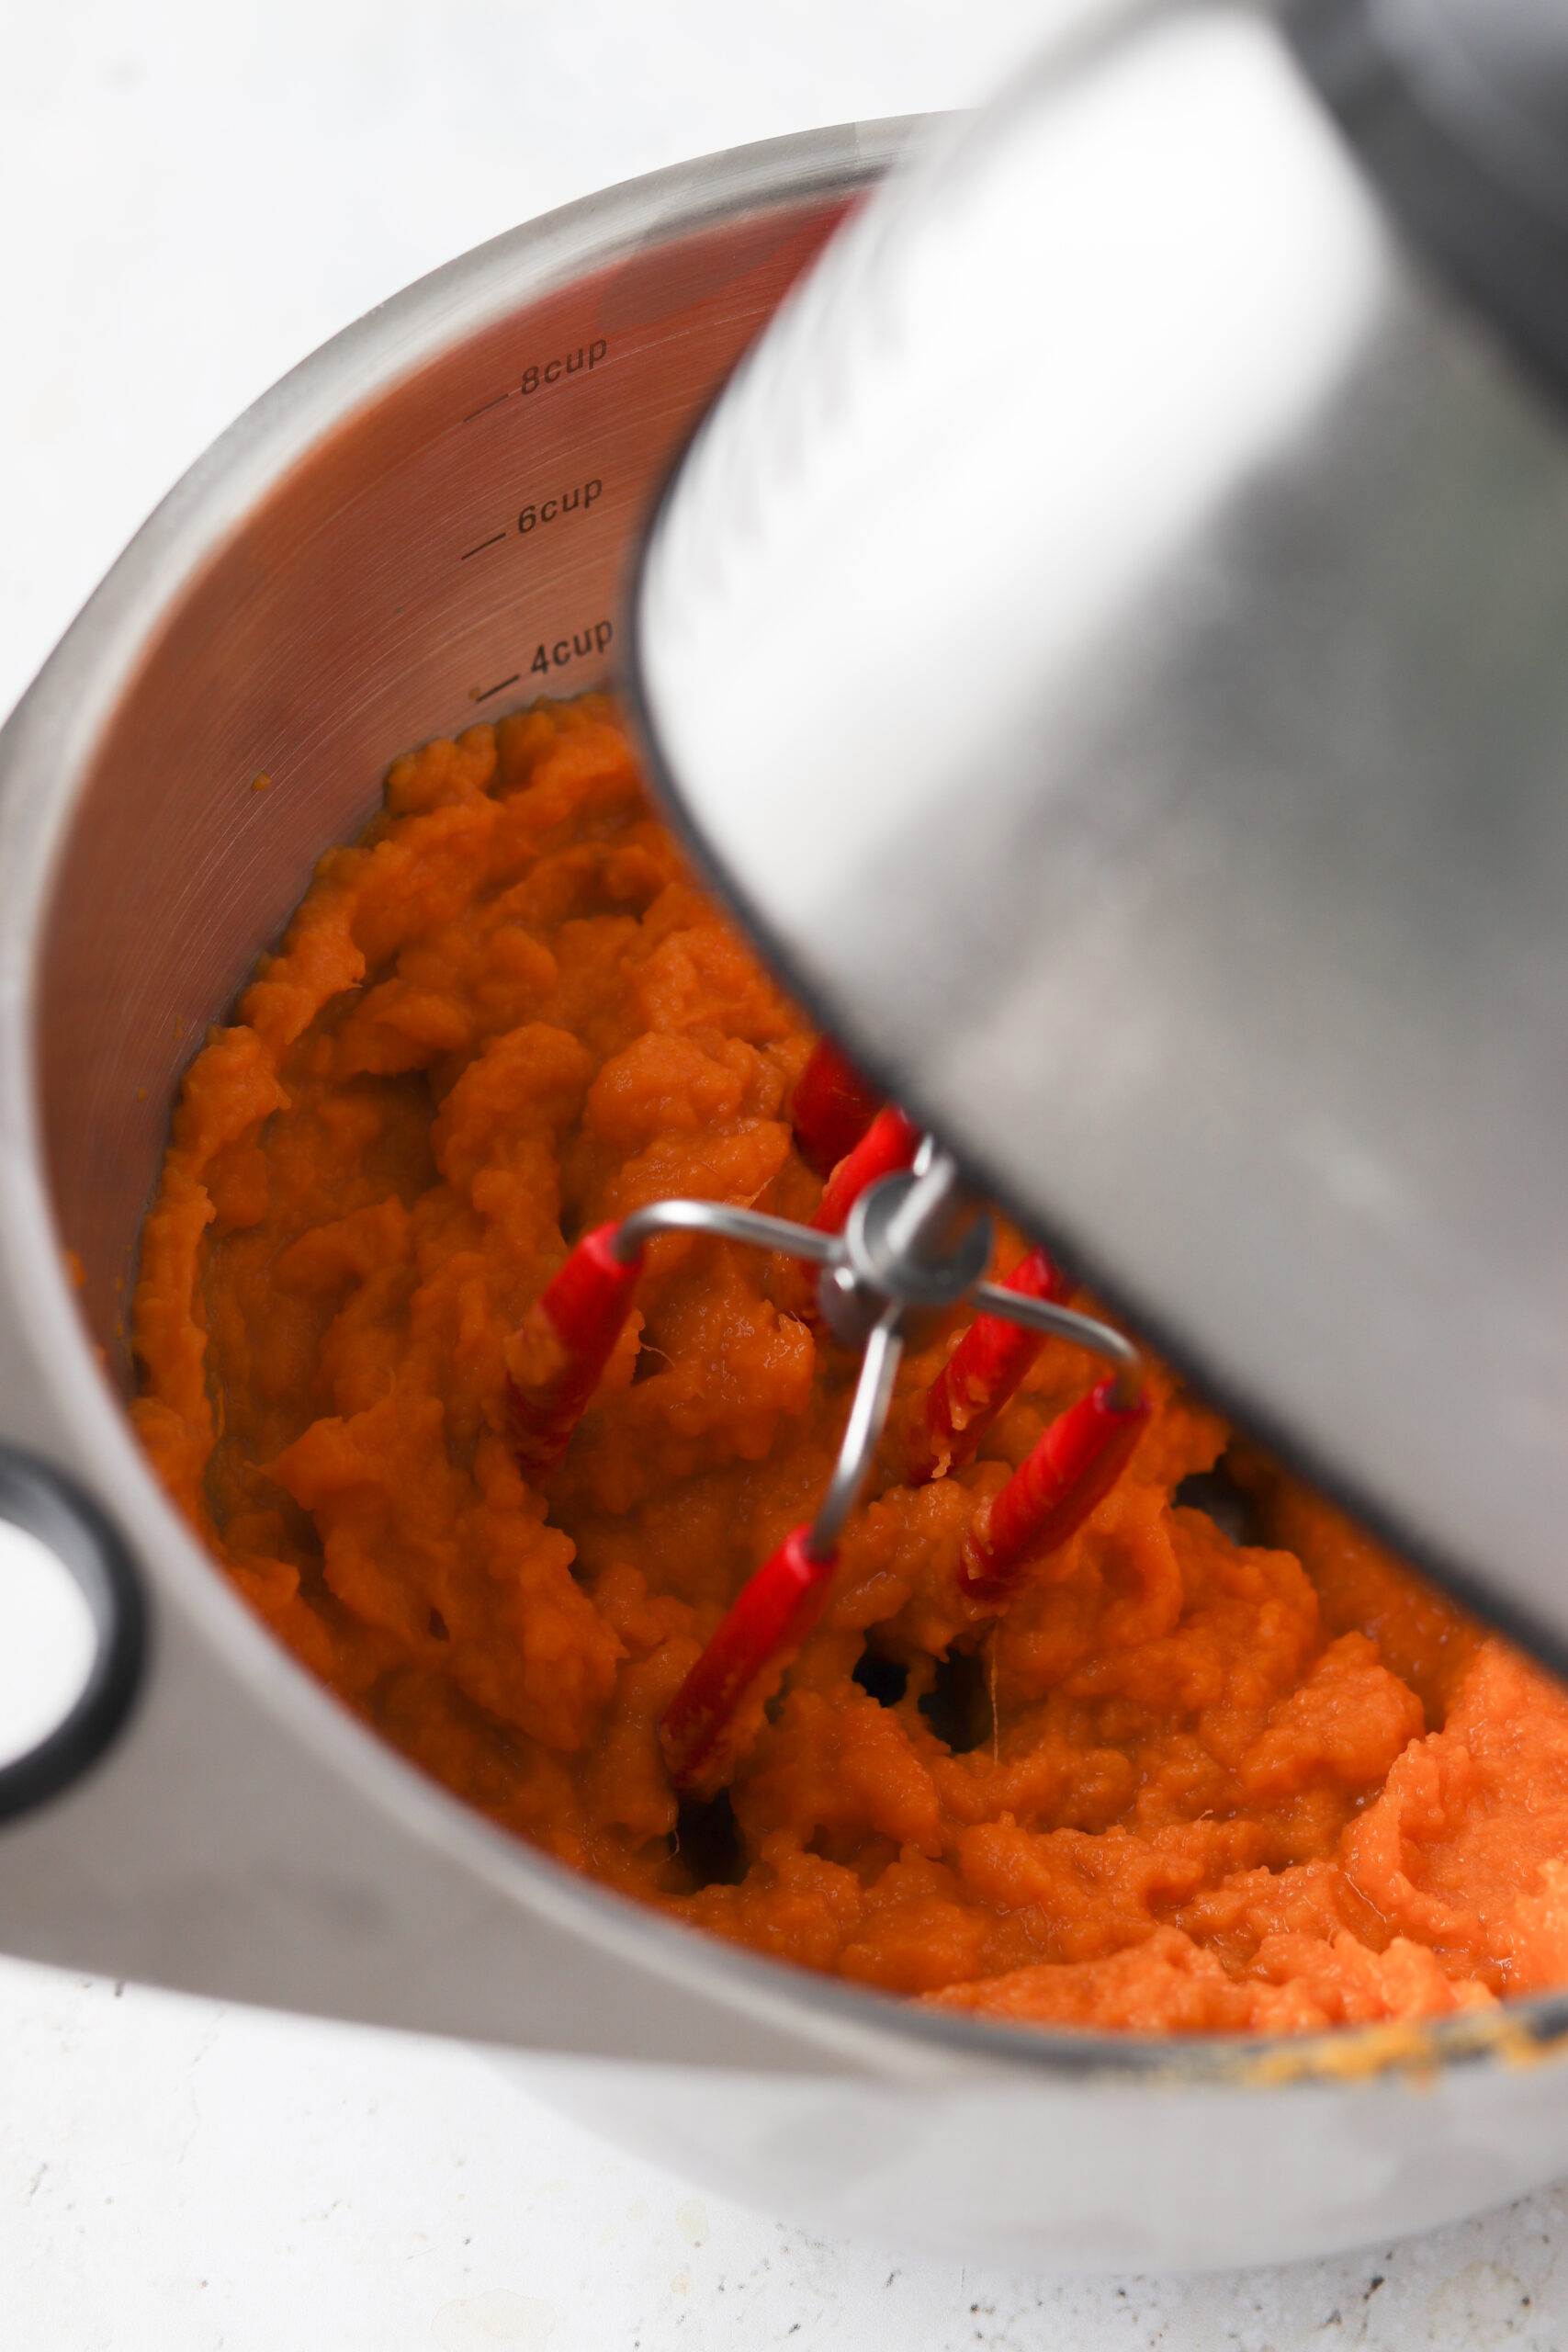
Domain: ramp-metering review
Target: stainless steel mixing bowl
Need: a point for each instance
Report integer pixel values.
(424, 524)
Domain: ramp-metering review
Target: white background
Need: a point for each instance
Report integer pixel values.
(193, 194)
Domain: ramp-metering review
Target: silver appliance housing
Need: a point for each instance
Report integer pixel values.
(1178, 818)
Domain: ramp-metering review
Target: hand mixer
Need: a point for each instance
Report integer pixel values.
(898, 1232)
(1107, 641)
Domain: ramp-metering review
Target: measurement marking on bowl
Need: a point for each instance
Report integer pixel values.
(552, 370)
(541, 511)
(566, 502)
(548, 372)
(557, 655)
(567, 650)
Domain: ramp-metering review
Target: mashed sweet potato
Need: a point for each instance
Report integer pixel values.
(1184, 1783)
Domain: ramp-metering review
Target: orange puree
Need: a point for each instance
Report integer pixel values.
(1181, 1784)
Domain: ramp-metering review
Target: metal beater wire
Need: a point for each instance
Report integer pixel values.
(1057, 1323)
(868, 1418)
(727, 1224)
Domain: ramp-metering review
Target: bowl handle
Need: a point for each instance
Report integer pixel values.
(69, 1525)
(208, 1818)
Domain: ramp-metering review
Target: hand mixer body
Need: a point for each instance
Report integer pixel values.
(1156, 578)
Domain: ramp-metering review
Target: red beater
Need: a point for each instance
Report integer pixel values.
(889, 1240)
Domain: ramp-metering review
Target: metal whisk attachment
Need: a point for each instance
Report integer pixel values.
(899, 1232)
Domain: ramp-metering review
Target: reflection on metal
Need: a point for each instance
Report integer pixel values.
(1157, 588)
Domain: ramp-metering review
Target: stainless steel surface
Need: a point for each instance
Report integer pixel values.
(868, 1419)
(304, 607)
(881, 1254)
(1158, 592)
(934, 1218)
(1125, 2178)
(751, 1226)
(1058, 1322)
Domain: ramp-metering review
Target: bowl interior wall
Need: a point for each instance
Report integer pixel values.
(452, 550)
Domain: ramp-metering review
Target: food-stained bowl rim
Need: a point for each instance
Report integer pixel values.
(47, 748)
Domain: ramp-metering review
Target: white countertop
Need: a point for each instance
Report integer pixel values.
(192, 197)
(176, 2176)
